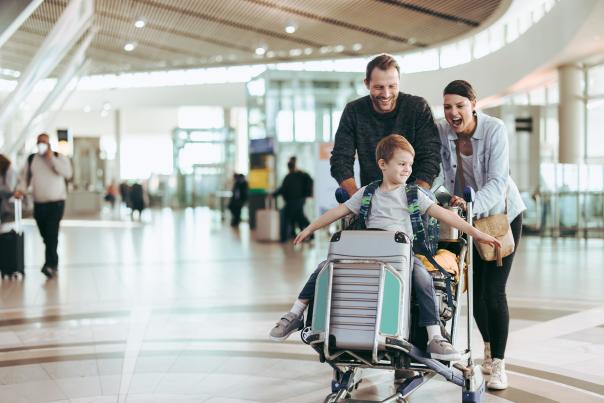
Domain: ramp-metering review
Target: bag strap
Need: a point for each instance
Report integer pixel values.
(365, 209)
(420, 245)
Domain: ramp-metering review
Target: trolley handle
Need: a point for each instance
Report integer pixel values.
(18, 215)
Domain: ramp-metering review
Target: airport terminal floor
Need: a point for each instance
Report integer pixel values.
(178, 308)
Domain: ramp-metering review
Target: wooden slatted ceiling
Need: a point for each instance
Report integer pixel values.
(205, 33)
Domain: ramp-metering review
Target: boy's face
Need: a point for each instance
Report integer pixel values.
(398, 169)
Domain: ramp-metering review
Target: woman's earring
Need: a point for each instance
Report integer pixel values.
(474, 112)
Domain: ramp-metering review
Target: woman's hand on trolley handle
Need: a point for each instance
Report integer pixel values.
(457, 201)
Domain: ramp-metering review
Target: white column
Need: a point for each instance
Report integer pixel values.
(571, 111)
(117, 120)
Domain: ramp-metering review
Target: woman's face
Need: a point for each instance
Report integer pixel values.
(459, 113)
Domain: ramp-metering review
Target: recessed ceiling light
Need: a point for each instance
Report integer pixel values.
(325, 49)
(295, 52)
(260, 51)
(339, 48)
(106, 106)
(130, 46)
(357, 46)
(140, 23)
(308, 51)
(291, 28)
(270, 54)
(218, 59)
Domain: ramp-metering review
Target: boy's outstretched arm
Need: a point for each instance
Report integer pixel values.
(327, 218)
(453, 220)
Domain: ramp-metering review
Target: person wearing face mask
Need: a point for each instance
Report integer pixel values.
(46, 173)
(384, 111)
(481, 142)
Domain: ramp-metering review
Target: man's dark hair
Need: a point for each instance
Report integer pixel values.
(382, 62)
(291, 164)
(461, 88)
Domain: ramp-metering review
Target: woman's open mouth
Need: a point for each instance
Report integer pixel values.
(456, 122)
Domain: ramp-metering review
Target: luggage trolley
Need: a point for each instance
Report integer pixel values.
(362, 314)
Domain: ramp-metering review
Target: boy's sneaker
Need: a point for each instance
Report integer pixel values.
(499, 379)
(288, 324)
(439, 348)
(487, 362)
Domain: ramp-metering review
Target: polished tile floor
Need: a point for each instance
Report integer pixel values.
(177, 309)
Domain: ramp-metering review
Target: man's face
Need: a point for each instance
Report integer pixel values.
(398, 169)
(383, 89)
(42, 138)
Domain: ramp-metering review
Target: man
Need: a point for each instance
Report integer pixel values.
(296, 187)
(238, 199)
(384, 111)
(46, 173)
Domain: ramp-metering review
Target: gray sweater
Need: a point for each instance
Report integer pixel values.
(48, 177)
(361, 128)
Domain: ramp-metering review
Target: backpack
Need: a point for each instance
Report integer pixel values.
(307, 185)
(30, 159)
(426, 232)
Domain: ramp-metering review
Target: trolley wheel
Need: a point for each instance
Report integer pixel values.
(335, 397)
(331, 398)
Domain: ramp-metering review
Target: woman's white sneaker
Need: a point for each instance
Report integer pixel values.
(487, 362)
(499, 379)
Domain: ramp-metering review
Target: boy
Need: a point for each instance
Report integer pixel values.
(394, 155)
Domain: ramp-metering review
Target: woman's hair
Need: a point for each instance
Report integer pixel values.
(461, 88)
(4, 165)
(388, 145)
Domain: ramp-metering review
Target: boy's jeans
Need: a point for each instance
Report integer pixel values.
(422, 286)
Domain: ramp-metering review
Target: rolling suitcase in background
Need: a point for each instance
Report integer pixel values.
(267, 222)
(11, 246)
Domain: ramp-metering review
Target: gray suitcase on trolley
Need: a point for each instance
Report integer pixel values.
(361, 260)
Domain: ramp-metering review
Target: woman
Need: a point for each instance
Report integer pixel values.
(8, 182)
(483, 149)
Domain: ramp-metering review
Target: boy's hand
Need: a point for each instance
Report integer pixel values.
(302, 235)
(486, 238)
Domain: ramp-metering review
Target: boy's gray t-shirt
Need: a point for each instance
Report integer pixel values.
(389, 210)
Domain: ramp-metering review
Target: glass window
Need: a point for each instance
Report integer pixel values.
(326, 127)
(497, 37)
(285, 126)
(524, 22)
(595, 128)
(553, 94)
(420, 61)
(512, 31)
(142, 156)
(596, 81)
(482, 45)
(454, 54)
(305, 126)
(537, 96)
(335, 121)
(200, 117)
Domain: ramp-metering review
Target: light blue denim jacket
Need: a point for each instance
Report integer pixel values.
(490, 160)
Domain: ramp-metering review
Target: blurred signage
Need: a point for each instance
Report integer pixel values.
(262, 146)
